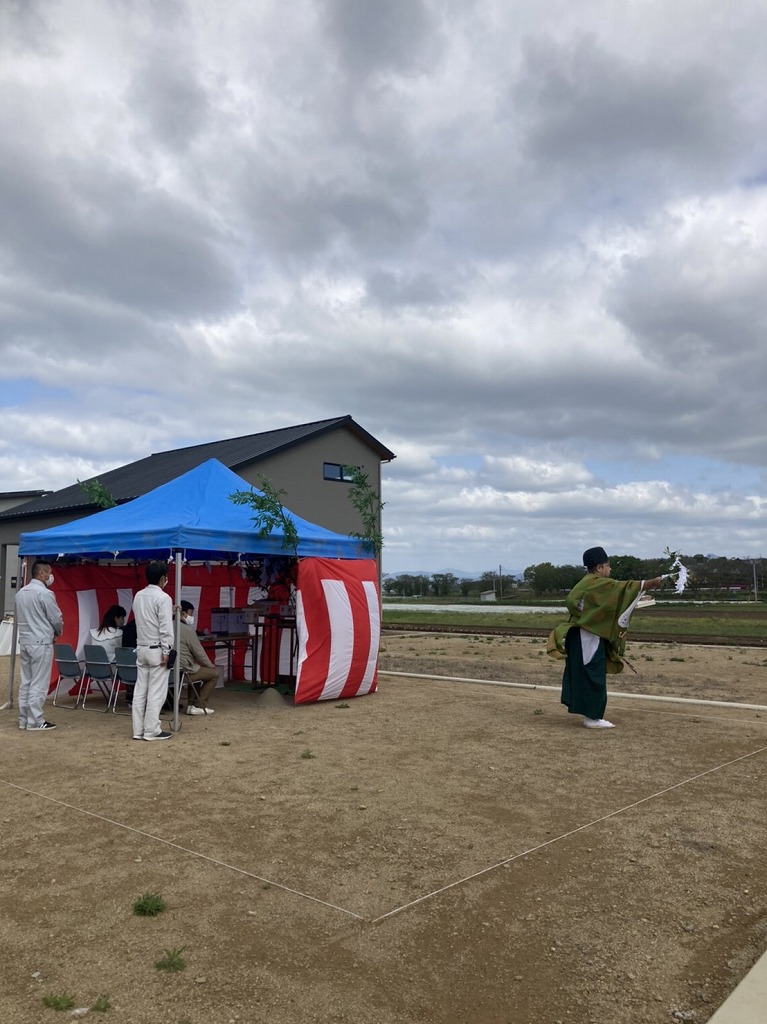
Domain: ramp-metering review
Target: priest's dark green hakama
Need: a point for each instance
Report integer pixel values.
(584, 687)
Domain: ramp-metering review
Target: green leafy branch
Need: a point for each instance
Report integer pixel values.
(97, 493)
(269, 513)
(368, 504)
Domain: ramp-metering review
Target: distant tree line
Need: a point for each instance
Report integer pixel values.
(446, 584)
(708, 576)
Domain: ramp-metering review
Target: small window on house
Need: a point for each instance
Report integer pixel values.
(335, 471)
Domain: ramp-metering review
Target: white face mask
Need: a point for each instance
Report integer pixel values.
(49, 581)
(189, 620)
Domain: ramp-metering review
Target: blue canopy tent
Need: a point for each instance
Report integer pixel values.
(192, 518)
(191, 514)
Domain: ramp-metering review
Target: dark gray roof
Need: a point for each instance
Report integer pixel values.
(128, 482)
(7, 495)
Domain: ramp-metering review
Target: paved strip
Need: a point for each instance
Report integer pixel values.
(747, 1004)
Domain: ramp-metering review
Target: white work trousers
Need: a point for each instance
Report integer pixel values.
(35, 660)
(150, 691)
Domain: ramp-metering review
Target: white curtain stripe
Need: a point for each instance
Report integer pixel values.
(374, 617)
(341, 637)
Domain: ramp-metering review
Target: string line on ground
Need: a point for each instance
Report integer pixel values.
(565, 835)
(182, 849)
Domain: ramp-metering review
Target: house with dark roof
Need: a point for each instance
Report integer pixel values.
(306, 461)
(8, 499)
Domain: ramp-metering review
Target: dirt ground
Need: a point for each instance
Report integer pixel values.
(436, 852)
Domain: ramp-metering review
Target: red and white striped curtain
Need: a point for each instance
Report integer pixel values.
(338, 610)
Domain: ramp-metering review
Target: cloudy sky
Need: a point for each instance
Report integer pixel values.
(523, 244)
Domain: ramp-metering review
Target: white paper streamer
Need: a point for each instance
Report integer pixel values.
(676, 569)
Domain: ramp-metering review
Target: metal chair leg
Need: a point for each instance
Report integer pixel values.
(78, 695)
(115, 696)
(104, 693)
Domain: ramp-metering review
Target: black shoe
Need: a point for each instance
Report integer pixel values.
(159, 736)
(45, 725)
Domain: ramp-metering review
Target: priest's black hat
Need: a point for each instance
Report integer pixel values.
(594, 557)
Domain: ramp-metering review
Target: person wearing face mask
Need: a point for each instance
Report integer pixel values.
(195, 662)
(39, 621)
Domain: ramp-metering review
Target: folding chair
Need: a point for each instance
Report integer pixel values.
(70, 670)
(98, 670)
(125, 674)
(192, 688)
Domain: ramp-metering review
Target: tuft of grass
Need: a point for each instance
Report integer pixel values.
(342, 705)
(172, 961)
(224, 743)
(538, 711)
(102, 1004)
(149, 905)
(59, 1002)
(676, 659)
(307, 755)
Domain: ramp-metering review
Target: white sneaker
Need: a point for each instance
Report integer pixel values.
(191, 710)
(597, 723)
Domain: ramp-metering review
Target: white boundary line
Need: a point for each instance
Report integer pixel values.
(558, 689)
(565, 835)
(183, 849)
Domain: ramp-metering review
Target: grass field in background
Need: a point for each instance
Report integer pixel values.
(730, 620)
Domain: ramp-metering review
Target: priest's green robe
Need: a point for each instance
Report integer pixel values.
(596, 604)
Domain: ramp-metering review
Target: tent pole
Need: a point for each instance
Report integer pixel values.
(21, 573)
(176, 644)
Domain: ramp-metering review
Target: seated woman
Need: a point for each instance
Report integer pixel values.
(109, 632)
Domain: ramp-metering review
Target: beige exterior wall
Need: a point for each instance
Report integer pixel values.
(9, 532)
(299, 473)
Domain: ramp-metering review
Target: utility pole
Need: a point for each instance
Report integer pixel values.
(753, 566)
(500, 583)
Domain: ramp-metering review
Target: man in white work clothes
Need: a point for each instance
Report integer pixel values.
(153, 612)
(39, 622)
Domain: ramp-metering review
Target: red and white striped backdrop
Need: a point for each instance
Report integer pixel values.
(337, 610)
(339, 629)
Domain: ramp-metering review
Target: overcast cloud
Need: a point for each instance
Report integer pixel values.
(521, 244)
